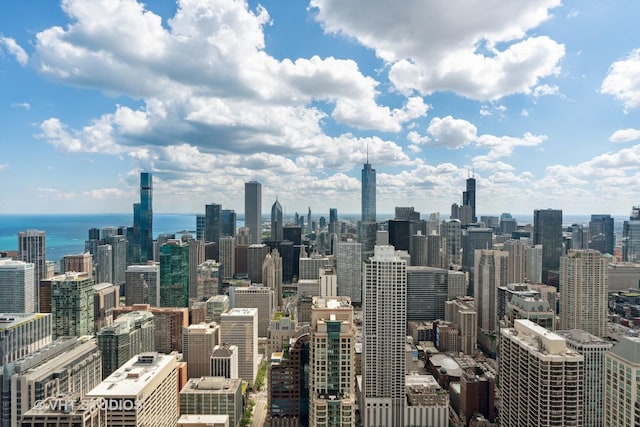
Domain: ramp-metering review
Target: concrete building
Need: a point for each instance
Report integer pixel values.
(198, 342)
(490, 273)
(18, 286)
(72, 305)
(461, 311)
(256, 254)
(457, 284)
(106, 296)
(272, 276)
(224, 361)
(79, 263)
(239, 326)
(332, 353)
(104, 264)
(583, 291)
(436, 245)
(621, 384)
(623, 276)
(384, 336)
(22, 334)
(213, 396)
(203, 421)
(227, 253)
(143, 392)
(593, 349)
(427, 290)
(67, 410)
(68, 365)
(142, 284)
(328, 281)
(216, 306)
(349, 270)
(259, 297)
(427, 402)
(131, 333)
(32, 249)
(168, 324)
(541, 379)
(253, 210)
(196, 257)
(451, 231)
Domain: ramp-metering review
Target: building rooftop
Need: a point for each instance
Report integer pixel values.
(203, 419)
(331, 303)
(212, 385)
(13, 320)
(628, 348)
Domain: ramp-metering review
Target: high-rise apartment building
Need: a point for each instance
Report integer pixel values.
(583, 291)
(461, 311)
(143, 284)
(239, 326)
(119, 249)
(65, 411)
(198, 342)
(196, 257)
(601, 235)
(436, 246)
(17, 287)
(349, 270)
(541, 379)
(253, 210)
(106, 297)
(451, 231)
(143, 392)
(168, 324)
(631, 237)
(80, 263)
(32, 249)
(104, 264)
(368, 227)
(276, 221)
(227, 256)
(174, 274)
(593, 349)
(384, 338)
(547, 231)
(491, 272)
(533, 264)
(143, 221)
(131, 334)
(332, 357)
(22, 334)
(621, 384)
(72, 305)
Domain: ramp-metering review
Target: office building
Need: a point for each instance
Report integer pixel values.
(67, 410)
(456, 284)
(259, 297)
(541, 379)
(17, 286)
(104, 264)
(328, 281)
(216, 306)
(452, 233)
(68, 365)
(461, 312)
(288, 403)
(255, 258)
(208, 277)
(426, 293)
(174, 274)
(80, 263)
(349, 270)
(332, 357)
(583, 291)
(368, 227)
(469, 199)
(384, 336)
(517, 250)
(601, 234)
(198, 342)
(130, 334)
(119, 257)
(224, 361)
(276, 221)
(143, 391)
(621, 384)
(228, 217)
(168, 325)
(72, 305)
(22, 334)
(490, 273)
(334, 227)
(418, 249)
(547, 231)
(142, 241)
(593, 349)
(310, 266)
(212, 223)
(209, 395)
(623, 276)
(472, 239)
(196, 257)
(239, 326)
(272, 276)
(253, 210)
(436, 246)
(142, 284)
(227, 256)
(533, 264)
(32, 249)
(631, 237)
(106, 297)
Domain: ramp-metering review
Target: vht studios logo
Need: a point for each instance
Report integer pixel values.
(57, 405)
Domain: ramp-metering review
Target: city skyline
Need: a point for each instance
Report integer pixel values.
(538, 101)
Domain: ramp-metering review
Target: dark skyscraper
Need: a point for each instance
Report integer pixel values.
(333, 220)
(601, 236)
(228, 217)
(276, 221)
(212, 222)
(253, 210)
(368, 227)
(469, 198)
(547, 231)
(143, 220)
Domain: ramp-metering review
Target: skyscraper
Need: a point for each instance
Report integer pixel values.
(451, 230)
(601, 235)
(621, 384)
(332, 359)
(228, 217)
(426, 293)
(384, 338)
(212, 223)
(491, 271)
(239, 327)
(469, 197)
(349, 270)
(198, 342)
(143, 219)
(367, 232)
(333, 221)
(72, 305)
(547, 231)
(276, 221)
(631, 237)
(32, 248)
(174, 274)
(253, 210)
(17, 287)
(583, 291)
(540, 378)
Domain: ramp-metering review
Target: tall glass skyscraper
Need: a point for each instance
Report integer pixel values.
(143, 219)
(469, 198)
(212, 223)
(631, 237)
(547, 231)
(253, 210)
(601, 236)
(368, 225)
(276, 221)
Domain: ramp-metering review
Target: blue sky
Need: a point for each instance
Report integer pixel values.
(538, 99)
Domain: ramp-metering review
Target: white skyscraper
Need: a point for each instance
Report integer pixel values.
(384, 338)
(621, 384)
(239, 327)
(349, 270)
(17, 287)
